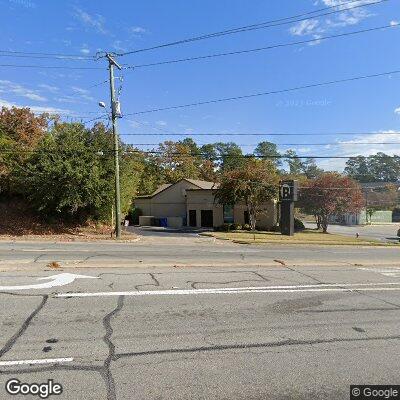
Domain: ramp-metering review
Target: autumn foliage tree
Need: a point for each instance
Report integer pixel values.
(331, 194)
(254, 183)
(20, 133)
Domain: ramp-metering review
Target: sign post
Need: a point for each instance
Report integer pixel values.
(287, 196)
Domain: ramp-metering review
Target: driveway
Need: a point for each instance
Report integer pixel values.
(159, 232)
(385, 233)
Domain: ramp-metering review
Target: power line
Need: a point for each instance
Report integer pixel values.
(47, 67)
(294, 144)
(224, 156)
(265, 134)
(261, 48)
(262, 25)
(12, 53)
(313, 85)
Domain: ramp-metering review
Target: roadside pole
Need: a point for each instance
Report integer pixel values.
(114, 116)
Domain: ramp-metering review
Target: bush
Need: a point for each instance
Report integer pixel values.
(275, 228)
(246, 227)
(298, 225)
(224, 228)
(236, 227)
(134, 214)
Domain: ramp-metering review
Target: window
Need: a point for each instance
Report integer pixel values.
(228, 214)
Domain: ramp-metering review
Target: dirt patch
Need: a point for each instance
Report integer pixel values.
(17, 221)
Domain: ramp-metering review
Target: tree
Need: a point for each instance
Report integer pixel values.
(375, 168)
(71, 174)
(385, 168)
(176, 161)
(266, 149)
(331, 194)
(295, 163)
(230, 156)
(254, 184)
(358, 168)
(310, 169)
(20, 132)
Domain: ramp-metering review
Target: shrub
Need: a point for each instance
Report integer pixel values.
(298, 225)
(246, 227)
(224, 228)
(275, 228)
(134, 214)
(236, 227)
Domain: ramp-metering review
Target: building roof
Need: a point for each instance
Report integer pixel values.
(161, 188)
(202, 185)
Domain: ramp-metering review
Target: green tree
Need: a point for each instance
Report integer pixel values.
(295, 164)
(230, 156)
(253, 184)
(310, 169)
(266, 149)
(71, 174)
(358, 168)
(176, 161)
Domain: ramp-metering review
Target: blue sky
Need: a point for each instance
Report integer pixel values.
(86, 27)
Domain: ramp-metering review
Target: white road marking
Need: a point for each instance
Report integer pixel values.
(54, 280)
(34, 362)
(391, 272)
(345, 287)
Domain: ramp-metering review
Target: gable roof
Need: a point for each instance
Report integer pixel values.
(200, 184)
(161, 188)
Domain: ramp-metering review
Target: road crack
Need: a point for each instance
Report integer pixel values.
(10, 343)
(106, 370)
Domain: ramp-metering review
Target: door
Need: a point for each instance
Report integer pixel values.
(207, 218)
(192, 218)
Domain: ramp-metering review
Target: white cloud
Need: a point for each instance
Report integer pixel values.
(19, 90)
(304, 27)
(50, 88)
(161, 123)
(349, 15)
(35, 109)
(91, 21)
(362, 145)
(138, 29)
(84, 94)
(119, 46)
(85, 50)
(394, 23)
(397, 110)
(79, 90)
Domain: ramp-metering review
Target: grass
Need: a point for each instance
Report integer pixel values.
(307, 236)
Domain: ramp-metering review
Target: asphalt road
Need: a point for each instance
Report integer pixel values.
(384, 233)
(233, 330)
(182, 250)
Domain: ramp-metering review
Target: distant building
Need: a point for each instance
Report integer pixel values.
(191, 203)
(378, 197)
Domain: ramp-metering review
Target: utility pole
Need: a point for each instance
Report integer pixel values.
(115, 113)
